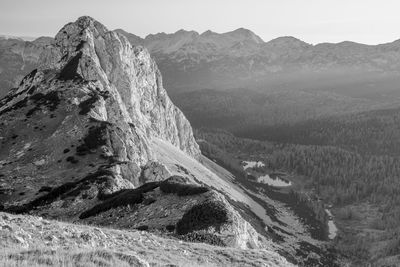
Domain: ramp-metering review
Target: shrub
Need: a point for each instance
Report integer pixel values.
(148, 201)
(43, 200)
(50, 100)
(178, 185)
(45, 189)
(123, 197)
(170, 228)
(96, 137)
(202, 216)
(72, 160)
(200, 237)
(20, 104)
(62, 191)
(88, 104)
(143, 228)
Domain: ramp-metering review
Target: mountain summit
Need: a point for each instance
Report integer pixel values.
(93, 106)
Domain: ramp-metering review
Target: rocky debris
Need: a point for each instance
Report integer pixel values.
(154, 171)
(51, 241)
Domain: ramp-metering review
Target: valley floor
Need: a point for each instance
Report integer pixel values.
(33, 241)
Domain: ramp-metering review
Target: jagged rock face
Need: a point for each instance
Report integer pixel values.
(130, 75)
(92, 107)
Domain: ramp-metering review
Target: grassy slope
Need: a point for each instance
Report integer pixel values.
(28, 240)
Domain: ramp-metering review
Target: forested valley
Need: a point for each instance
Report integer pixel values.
(350, 161)
(375, 132)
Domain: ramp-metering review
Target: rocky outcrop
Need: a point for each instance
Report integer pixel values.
(89, 112)
(179, 208)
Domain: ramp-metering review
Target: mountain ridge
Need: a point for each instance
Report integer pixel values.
(226, 61)
(239, 58)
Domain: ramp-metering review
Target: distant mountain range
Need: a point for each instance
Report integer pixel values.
(17, 58)
(240, 58)
(342, 78)
(237, 81)
(24, 38)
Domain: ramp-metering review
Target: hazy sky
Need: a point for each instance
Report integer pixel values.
(314, 21)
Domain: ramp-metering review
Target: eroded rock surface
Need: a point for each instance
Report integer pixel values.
(93, 105)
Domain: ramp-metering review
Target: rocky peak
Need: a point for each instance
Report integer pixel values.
(91, 109)
(287, 42)
(43, 40)
(129, 74)
(133, 39)
(208, 33)
(183, 32)
(245, 34)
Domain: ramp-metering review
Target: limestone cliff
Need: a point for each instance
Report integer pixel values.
(93, 96)
(129, 74)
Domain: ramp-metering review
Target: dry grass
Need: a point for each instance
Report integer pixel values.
(66, 258)
(31, 241)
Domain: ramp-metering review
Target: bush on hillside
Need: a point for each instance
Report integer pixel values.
(202, 216)
(179, 185)
(123, 197)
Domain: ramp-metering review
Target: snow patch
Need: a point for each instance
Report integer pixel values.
(252, 164)
(331, 225)
(266, 179)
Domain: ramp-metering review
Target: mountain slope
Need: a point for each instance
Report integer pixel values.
(82, 139)
(240, 58)
(29, 239)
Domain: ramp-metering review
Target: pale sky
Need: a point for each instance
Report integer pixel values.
(313, 21)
